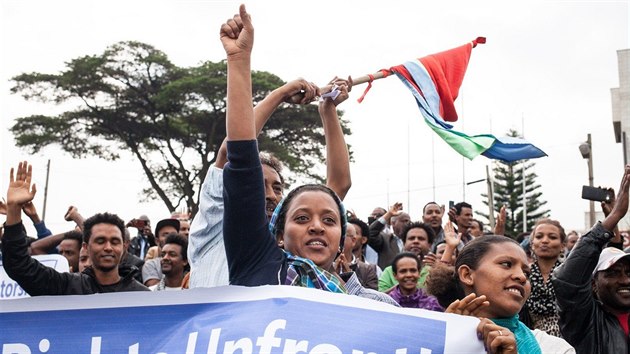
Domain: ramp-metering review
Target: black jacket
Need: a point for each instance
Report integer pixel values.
(37, 279)
(135, 247)
(583, 321)
(385, 244)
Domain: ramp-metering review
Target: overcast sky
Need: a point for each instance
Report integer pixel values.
(548, 67)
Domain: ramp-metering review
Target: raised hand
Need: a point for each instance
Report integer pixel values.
(237, 35)
(471, 305)
(499, 227)
(343, 85)
(29, 209)
(452, 214)
(620, 208)
(607, 206)
(451, 238)
(299, 91)
(429, 259)
(20, 189)
(71, 213)
(341, 264)
(395, 209)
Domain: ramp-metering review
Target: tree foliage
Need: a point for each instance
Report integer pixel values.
(508, 191)
(131, 98)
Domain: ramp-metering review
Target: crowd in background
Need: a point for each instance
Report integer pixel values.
(548, 291)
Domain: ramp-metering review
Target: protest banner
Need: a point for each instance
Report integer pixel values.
(9, 288)
(268, 319)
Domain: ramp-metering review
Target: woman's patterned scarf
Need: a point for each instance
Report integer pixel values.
(542, 300)
(303, 272)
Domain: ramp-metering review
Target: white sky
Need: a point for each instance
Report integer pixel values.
(548, 66)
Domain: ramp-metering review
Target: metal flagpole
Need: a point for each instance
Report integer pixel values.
(46, 191)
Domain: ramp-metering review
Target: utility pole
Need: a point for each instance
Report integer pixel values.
(46, 191)
(586, 149)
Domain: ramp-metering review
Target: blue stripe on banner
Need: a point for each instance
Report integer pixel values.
(510, 149)
(268, 325)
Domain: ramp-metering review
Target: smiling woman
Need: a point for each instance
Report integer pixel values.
(547, 243)
(310, 222)
(490, 280)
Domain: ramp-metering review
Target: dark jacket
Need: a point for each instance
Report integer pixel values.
(385, 244)
(583, 321)
(37, 279)
(366, 274)
(129, 261)
(252, 253)
(135, 247)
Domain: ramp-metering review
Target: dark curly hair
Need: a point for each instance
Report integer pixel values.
(270, 160)
(177, 239)
(365, 229)
(102, 218)
(418, 225)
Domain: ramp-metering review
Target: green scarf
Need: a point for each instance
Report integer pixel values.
(525, 341)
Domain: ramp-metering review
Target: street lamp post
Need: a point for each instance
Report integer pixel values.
(586, 149)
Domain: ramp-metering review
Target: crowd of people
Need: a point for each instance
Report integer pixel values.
(551, 293)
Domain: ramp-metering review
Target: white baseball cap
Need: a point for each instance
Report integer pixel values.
(608, 257)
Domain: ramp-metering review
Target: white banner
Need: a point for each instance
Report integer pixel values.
(269, 319)
(9, 289)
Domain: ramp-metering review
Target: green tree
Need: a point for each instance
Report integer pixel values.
(508, 191)
(132, 99)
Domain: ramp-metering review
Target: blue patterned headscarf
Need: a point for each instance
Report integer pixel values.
(273, 223)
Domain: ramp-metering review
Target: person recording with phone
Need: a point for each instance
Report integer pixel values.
(144, 240)
(592, 286)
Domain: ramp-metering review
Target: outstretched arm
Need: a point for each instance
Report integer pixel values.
(620, 207)
(32, 276)
(237, 37)
(452, 240)
(73, 215)
(337, 157)
(294, 91)
(572, 280)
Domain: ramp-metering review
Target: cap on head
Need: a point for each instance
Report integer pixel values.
(166, 222)
(608, 257)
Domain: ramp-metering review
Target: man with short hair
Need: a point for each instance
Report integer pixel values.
(102, 237)
(476, 228)
(139, 245)
(388, 244)
(366, 273)
(432, 215)
(173, 262)
(84, 260)
(464, 219)
(592, 287)
(152, 270)
(417, 238)
(70, 247)
(184, 227)
(572, 239)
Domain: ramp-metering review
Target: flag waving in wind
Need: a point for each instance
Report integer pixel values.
(434, 81)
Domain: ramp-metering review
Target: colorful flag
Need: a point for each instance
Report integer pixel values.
(434, 81)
